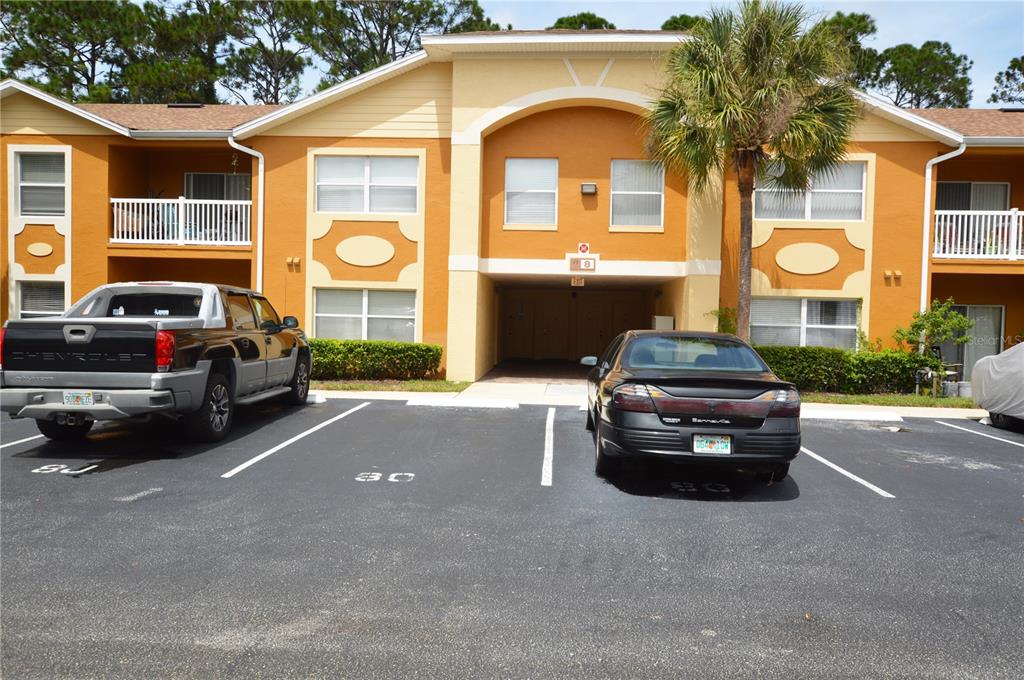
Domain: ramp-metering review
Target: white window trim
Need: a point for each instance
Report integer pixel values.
(863, 191)
(19, 183)
(611, 203)
(365, 316)
(1009, 188)
(366, 185)
(803, 320)
(504, 195)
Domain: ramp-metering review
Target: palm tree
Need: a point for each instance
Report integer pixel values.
(754, 88)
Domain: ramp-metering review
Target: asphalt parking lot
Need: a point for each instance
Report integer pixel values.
(376, 540)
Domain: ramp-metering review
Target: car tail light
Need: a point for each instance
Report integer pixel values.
(2, 347)
(164, 350)
(785, 403)
(635, 397)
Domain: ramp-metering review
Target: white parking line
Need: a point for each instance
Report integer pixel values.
(21, 441)
(982, 434)
(549, 449)
(137, 496)
(881, 492)
(252, 461)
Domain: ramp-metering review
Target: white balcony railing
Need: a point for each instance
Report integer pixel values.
(979, 234)
(182, 221)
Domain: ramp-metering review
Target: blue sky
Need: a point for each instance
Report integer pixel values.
(988, 32)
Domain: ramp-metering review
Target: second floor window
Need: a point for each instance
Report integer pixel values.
(366, 184)
(531, 191)
(834, 195)
(637, 188)
(41, 184)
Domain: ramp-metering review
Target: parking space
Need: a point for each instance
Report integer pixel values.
(375, 539)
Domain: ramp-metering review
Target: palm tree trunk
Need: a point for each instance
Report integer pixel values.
(745, 183)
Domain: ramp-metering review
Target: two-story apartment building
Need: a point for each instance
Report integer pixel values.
(453, 196)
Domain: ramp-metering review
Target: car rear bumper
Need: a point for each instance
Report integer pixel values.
(645, 436)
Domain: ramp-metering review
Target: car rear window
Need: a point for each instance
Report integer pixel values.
(682, 353)
(154, 304)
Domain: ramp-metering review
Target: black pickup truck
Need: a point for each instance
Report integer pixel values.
(189, 351)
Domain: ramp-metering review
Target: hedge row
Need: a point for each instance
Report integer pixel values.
(825, 369)
(373, 360)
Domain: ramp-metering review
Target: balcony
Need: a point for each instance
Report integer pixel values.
(182, 221)
(979, 234)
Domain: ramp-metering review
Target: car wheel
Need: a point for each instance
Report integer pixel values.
(212, 421)
(299, 383)
(1000, 421)
(51, 429)
(603, 465)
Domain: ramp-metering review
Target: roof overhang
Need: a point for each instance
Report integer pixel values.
(9, 87)
(994, 141)
(180, 134)
(886, 109)
(442, 47)
(331, 94)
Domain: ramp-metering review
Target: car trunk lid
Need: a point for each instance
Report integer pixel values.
(725, 399)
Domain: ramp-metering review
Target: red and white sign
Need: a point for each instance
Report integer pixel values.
(583, 248)
(582, 264)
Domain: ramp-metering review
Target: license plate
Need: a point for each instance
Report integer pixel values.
(716, 444)
(78, 399)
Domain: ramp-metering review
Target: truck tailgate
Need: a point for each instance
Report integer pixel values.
(82, 346)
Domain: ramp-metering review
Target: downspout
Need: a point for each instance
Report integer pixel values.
(259, 207)
(926, 242)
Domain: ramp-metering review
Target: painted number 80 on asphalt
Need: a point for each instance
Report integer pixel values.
(378, 476)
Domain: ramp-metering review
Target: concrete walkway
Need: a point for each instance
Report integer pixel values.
(501, 394)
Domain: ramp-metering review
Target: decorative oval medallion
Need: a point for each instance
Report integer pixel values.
(365, 251)
(40, 249)
(807, 258)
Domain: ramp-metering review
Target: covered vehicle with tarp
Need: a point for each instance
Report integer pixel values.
(997, 384)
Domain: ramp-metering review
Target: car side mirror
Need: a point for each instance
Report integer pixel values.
(290, 322)
(588, 361)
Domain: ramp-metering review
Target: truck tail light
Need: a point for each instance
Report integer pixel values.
(164, 350)
(634, 397)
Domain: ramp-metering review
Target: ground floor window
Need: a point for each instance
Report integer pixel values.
(40, 298)
(986, 338)
(361, 314)
(803, 321)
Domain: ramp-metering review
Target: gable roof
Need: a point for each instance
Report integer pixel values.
(165, 117)
(992, 124)
(882, 107)
(10, 86)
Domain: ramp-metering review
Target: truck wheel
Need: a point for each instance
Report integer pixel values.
(299, 383)
(212, 421)
(51, 429)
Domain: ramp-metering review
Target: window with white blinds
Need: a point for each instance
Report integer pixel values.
(637, 193)
(40, 298)
(836, 194)
(41, 184)
(802, 322)
(531, 191)
(348, 314)
(366, 184)
(218, 186)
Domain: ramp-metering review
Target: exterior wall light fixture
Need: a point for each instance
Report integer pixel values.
(588, 189)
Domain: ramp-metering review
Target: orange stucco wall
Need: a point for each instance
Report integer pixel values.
(585, 140)
(232, 272)
(137, 172)
(898, 206)
(988, 165)
(285, 221)
(987, 289)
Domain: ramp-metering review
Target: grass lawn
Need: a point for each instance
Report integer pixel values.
(390, 385)
(888, 400)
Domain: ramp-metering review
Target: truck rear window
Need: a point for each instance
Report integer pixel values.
(154, 304)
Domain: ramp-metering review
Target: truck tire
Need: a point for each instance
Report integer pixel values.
(299, 382)
(212, 421)
(51, 429)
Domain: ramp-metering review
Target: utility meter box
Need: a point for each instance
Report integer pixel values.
(663, 323)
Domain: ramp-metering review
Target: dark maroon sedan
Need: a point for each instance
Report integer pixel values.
(704, 398)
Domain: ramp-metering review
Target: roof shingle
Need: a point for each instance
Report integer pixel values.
(163, 117)
(978, 122)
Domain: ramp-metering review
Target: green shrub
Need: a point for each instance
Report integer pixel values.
(814, 369)
(373, 359)
(825, 369)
